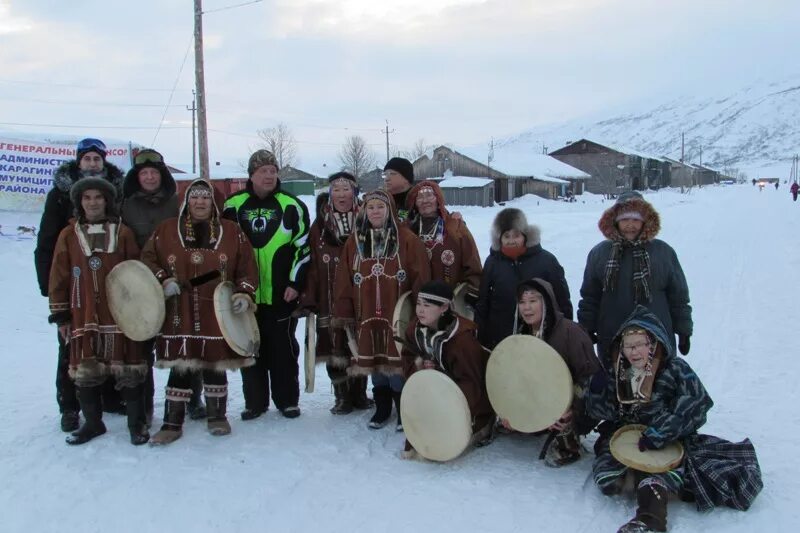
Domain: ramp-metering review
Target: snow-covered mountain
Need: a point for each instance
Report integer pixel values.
(753, 129)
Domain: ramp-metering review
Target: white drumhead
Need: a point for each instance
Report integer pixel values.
(136, 300)
(239, 330)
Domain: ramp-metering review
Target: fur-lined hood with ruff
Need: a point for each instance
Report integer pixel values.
(131, 183)
(630, 201)
(411, 199)
(68, 173)
(513, 218)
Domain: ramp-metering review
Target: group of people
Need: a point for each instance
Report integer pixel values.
(350, 268)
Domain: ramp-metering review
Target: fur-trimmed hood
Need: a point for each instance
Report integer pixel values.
(68, 173)
(411, 199)
(630, 201)
(552, 312)
(513, 218)
(131, 183)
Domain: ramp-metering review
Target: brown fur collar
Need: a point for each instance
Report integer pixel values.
(652, 221)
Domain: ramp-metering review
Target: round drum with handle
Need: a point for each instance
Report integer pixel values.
(239, 330)
(528, 383)
(403, 314)
(436, 417)
(460, 302)
(624, 447)
(136, 300)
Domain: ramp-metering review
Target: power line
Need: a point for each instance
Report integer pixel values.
(171, 94)
(231, 7)
(77, 126)
(81, 86)
(67, 102)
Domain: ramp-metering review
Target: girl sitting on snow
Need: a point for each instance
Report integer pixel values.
(649, 385)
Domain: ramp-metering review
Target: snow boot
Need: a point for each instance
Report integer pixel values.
(197, 411)
(651, 515)
(343, 405)
(564, 450)
(358, 393)
(174, 415)
(217, 403)
(396, 397)
(70, 421)
(137, 420)
(383, 407)
(92, 407)
(251, 414)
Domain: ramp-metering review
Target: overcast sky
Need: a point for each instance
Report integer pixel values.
(448, 71)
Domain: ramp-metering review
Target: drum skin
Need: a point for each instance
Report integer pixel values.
(460, 304)
(528, 383)
(624, 446)
(136, 300)
(403, 313)
(436, 416)
(239, 330)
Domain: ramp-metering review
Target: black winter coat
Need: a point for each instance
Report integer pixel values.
(58, 209)
(143, 212)
(497, 301)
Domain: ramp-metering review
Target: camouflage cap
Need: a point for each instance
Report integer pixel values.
(259, 159)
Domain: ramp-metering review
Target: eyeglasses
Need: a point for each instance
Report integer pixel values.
(148, 156)
(91, 144)
(635, 347)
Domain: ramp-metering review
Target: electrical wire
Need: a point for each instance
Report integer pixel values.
(66, 102)
(172, 93)
(231, 7)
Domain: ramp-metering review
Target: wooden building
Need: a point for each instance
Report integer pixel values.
(465, 190)
(615, 169)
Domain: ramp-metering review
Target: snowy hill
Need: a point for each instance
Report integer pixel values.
(756, 129)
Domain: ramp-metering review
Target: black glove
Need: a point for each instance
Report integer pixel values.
(684, 344)
(646, 444)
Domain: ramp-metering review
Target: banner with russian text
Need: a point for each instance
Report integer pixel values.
(27, 167)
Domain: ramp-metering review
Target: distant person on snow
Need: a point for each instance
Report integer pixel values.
(516, 255)
(629, 268)
(646, 384)
(794, 190)
(90, 161)
(776, 185)
(86, 251)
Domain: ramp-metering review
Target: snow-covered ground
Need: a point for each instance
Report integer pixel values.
(738, 247)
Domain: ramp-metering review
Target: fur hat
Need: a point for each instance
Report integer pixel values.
(402, 166)
(259, 159)
(630, 204)
(103, 185)
(436, 291)
(90, 145)
(513, 218)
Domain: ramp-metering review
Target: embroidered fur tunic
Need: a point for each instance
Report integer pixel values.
(84, 255)
(368, 285)
(191, 336)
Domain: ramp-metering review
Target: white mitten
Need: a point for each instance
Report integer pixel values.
(171, 287)
(240, 302)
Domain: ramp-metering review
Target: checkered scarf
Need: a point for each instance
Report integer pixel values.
(641, 268)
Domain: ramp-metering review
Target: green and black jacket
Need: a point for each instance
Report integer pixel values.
(277, 227)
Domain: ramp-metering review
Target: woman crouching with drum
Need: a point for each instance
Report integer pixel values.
(442, 340)
(650, 386)
(380, 262)
(539, 315)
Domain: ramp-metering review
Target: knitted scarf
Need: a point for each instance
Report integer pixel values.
(641, 268)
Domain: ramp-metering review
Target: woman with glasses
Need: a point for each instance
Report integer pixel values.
(149, 198)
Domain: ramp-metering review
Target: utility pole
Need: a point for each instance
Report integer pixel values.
(200, 85)
(387, 132)
(701, 155)
(194, 139)
(682, 146)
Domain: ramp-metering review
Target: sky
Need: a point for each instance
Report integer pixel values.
(447, 71)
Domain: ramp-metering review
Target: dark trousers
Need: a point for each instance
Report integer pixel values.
(184, 380)
(276, 363)
(66, 392)
(149, 381)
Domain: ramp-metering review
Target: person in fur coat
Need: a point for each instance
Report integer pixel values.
(380, 262)
(335, 222)
(195, 243)
(451, 248)
(632, 267)
(516, 255)
(647, 384)
(539, 315)
(440, 339)
(86, 251)
(90, 161)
